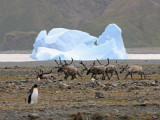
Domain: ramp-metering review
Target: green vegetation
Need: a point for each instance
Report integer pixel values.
(126, 117)
(137, 19)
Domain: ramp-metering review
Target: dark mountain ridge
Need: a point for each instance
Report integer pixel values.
(138, 19)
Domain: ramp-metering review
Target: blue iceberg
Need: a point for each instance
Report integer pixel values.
(79, 45)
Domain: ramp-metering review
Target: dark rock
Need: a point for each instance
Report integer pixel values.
(33, 116)
(79, 83)
(104, 87)
(69, 87)
(92, 84)
(99, 95)
(124, 86)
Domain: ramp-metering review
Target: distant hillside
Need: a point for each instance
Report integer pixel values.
(138, 19)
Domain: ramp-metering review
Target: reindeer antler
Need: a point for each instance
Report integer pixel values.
(36, 72)
(71, 61)
(65, 62)
(60, 60)
(84, 65)
(50, 71)
(99, 62)
(123, 68)
(93, 64)
(41, 71)
(126, 65)
(57, 63)
(108, 61)
(68, 63)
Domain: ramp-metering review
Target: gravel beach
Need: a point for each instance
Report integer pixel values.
(61, 99)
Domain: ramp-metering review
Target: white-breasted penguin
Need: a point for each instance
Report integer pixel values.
(33, 94)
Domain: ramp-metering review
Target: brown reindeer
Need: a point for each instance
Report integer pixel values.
(68, 69)
(96, 69)
(130, 69)
(110, 69)
(42, 75)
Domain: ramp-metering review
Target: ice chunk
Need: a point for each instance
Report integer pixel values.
(112, 32)
(79, 45)
(39, 42)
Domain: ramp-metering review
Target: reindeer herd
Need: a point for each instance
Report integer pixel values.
(106, 70)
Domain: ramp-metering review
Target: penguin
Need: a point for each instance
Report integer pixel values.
(33, 94)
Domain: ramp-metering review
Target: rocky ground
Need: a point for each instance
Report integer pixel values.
(61, 99)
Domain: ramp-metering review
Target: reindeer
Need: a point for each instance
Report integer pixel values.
(96, 70)
(47, 75)
(67, 69)
(110, 69)
(130, 69)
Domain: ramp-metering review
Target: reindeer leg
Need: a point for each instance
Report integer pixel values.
(92, 76)
(65, 77)
(144, 75)
(126, 75)
(103, 77)
(108, 76)
(131, 75)
(79, 75)
(117, 75)
(139, 73)
(95, 77)
(73, 77)
(111, 75)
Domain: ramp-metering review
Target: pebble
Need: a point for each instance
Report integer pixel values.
(23, 81)
(99, 95)
(114, 85)
(92, 84)
(153, 83)
(33, 116)
(22, 87)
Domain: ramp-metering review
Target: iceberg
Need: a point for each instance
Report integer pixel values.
(67, 44)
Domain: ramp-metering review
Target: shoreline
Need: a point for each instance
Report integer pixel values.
(76, 63)
(26, 57)
(138, 50)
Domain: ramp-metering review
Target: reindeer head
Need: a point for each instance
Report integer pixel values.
(85, 68)
(89, 70)
(62, 66)
(123, 68)
(84, 65)
(39, 74)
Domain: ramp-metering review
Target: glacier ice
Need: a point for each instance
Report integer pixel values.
(79, 45)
